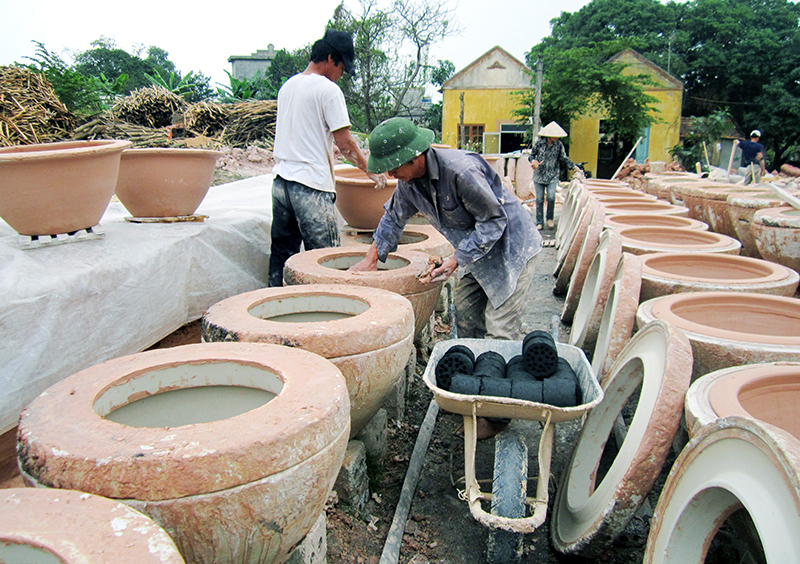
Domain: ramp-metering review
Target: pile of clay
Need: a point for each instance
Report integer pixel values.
(538, 374)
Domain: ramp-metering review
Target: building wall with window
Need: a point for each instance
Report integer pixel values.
(602, 154)
(247, 66)
(485, 86)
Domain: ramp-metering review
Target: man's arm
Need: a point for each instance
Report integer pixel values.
(349, 148)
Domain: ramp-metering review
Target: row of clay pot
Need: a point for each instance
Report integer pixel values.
(64, 187)
(756, 214)
(287, 437)
(748, 406)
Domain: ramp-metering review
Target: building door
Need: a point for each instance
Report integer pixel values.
(610, 152)
(512, 137)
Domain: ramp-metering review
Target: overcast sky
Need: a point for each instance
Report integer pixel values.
(200, 36)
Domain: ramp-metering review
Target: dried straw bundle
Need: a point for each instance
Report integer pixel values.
(30, 111)
(207, 118)
(250, 122)
(152, 106)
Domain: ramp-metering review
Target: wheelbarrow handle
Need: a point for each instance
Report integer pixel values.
(473, 492)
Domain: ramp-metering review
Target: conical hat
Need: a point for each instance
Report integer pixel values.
(552, 129)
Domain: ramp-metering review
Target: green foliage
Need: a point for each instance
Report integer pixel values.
(582, 80)
(256, 88)
(739, 55)
(284, 66)
(106, 60)
(82, 95)
(433, 119)
(708, 130)
(192, 88)
(442, 72)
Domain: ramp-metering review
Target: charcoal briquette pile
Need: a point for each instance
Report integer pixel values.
(538, 374)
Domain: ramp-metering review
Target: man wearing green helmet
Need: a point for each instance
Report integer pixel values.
(494, 236)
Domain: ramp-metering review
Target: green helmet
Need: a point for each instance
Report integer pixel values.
(395, 142)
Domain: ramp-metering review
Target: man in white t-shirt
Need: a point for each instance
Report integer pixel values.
(312, 116)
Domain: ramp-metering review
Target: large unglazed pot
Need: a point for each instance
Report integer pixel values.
(365, 332)
(768, 392)
(415, 237)
(232, 448)
(642, 240)
(49, 526)
(670, 273)
(777, 235)
(55, 188)
(730, 328)
(741, 208)
(165, 182)
(399, 274)
(360, 204)
(653, 220)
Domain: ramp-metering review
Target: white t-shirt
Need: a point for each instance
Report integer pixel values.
(310, 108)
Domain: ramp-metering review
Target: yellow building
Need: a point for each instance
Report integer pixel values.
(603, 153)
(477, 104)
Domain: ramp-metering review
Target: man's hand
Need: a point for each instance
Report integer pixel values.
(442, 273)
(369, 263)
(379, 180)
(579, 173)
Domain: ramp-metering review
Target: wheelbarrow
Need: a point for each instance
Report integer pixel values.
(509, 498)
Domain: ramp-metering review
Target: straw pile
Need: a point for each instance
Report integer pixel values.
(30, 111)
(151, 107)
(207, 118)
(251, 122)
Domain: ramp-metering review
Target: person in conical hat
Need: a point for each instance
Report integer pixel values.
(496, 243)
(547, 157)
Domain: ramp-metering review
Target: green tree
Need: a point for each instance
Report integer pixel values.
(284, 66)
(740, 55)
(106, 59)
(581, 80)
(81, 94)
(392, 55)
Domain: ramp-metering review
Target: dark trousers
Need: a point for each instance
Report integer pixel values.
(299, 215)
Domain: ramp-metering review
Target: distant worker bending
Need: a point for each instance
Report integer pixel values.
(753, 165)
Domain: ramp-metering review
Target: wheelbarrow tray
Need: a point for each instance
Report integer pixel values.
(490, 406)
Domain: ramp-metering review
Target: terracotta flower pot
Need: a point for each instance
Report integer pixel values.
(360, 204)
(422, 238)
(55, 188)
(165, 182)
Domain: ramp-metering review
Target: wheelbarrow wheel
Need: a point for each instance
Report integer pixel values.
(509, 490)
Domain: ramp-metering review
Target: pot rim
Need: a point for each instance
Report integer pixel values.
(61, 149)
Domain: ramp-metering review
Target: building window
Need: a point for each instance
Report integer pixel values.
(470, 136)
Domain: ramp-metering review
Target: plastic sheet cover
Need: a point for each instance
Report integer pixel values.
(66, 307)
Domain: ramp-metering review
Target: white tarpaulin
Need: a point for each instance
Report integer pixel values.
(66, 307)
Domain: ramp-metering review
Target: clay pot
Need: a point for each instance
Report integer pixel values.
(709, 203)
(619, 315)
(591, 511)
(766, 392)
(574, 203)
(730, 328)
(671, 273)
(731, 464)
(662, 185)
(231, 447)
(567, 255)
(777, 235)
(497, 162)
(592, 296)
(56, 188)
(398, 274)
(591, 183)
(523, 178)
(164, 182)
(642, 240)
(367, 333)
(657, 207)
(653, 220)
(47, 526)
(360, 204)
(420, 238)
(619, 194)
(741, 208)
(573, 271)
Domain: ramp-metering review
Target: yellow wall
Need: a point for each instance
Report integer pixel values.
(585, 131)
(489, 107)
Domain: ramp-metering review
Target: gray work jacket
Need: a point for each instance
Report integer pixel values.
(493, 234)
